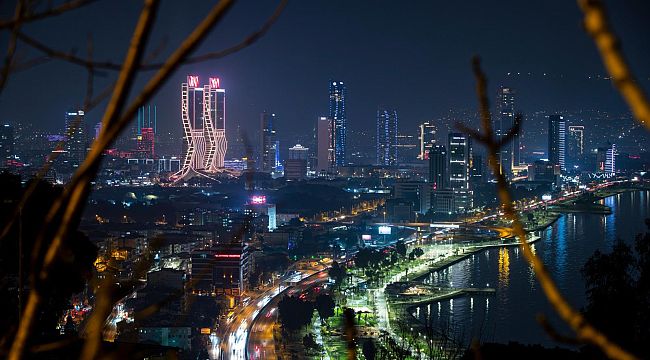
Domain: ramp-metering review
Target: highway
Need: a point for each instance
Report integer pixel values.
(261, 344)
(229, 342)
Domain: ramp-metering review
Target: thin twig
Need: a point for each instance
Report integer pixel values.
(11, 47)
(554, 334)
(597, 25)
(584, 331)
(63, 8)
(77, 192)
(108, 65)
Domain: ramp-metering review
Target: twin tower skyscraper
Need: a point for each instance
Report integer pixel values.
(203, 113)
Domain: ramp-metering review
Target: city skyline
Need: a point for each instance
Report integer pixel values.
(324, 179)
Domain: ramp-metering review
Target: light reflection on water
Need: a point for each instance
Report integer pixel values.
(509, 315)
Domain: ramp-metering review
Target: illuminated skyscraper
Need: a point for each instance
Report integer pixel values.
(509, 156)
(76, 137)
(146, 143)
(337, 92)
(575, 146)
(438, 167)
(427, 137)
(459, 156)
(386, 137)
(325, 148)
(268, 142)
(557, 141)
(203, 111)
(6, 143)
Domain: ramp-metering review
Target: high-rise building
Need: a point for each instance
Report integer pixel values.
(145, 131)
(325, 149)
(6, 143)
(407, 148)
(557, 141)
(509, 156)
(477, 169)
(203, 110)
(386, 137)
(295, 168)
(438, 167)
(606, 159)
(459, 158)
(76, 137)
(268, 139)
(427, 138)
(337, 93)
(575, 146)
(298, 152)
(146, 143)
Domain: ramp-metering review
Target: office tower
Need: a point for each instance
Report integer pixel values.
(460, 157)
(575, 146)
(610, 159)
(6, 143)
(203, 110)
(298, 152)
(386, 137)
(557, 141)
(237, 146)
(337, 92)
(427, 138)
(98, 130)
(267, 146)
(295, 168)
(231, 269)
(606, 159)
(407, 148)
(325, 149)
(509, 156)
(76, 137)
(477, 169)
(146, 143)
(438, 167)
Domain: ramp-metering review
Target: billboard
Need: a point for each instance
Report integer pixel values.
(385, 230)
(366, 237)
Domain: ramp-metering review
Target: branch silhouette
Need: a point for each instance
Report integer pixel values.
(57, 10)
(584, 331)
(597, 26)
(108, 65)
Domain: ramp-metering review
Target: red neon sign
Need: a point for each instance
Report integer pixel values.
(258, 199)
(193, 81)
(227, 256)
(214, 83)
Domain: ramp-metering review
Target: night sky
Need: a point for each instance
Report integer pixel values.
(414, 56)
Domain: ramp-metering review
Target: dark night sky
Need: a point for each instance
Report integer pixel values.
(412, 55)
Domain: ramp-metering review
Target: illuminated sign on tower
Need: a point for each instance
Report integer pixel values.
(203, 112)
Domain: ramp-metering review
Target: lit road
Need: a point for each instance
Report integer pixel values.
(261, 344)
(230, 340)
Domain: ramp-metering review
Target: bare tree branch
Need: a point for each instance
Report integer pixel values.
(584, 331)
(597, 25)
(78, 191)
(107, 65)
(65, 7)
(11, 47)
(541, 319)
